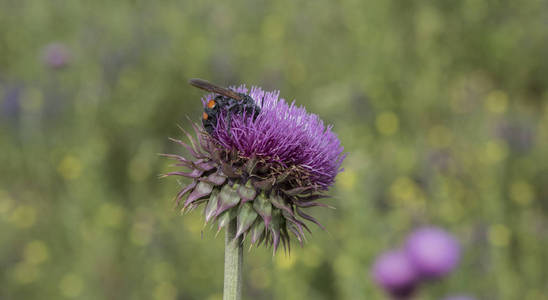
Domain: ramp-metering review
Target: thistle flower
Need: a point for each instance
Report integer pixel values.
(433, 252)
(394, 272)
(261, 169)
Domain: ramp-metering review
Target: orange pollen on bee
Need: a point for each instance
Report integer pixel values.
(211, 103)
(204, 116)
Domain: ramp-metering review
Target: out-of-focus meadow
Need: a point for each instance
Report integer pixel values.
(442, 106)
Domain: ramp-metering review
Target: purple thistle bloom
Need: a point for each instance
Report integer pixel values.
(56, 55)
(284, 134)
(262, 167)
(395, 273)
(433, 252)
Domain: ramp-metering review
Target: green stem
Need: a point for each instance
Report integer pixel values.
(233, 264)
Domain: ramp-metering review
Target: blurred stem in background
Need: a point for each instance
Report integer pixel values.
(233, 264)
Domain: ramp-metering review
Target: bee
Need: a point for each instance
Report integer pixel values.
(228, 101)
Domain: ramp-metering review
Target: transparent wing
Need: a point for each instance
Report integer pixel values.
(210, 87)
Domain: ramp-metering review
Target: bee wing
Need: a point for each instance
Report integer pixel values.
(210, 87)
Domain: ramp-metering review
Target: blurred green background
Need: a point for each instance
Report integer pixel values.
(442, 105)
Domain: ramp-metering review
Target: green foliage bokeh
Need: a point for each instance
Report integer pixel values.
(442, 106)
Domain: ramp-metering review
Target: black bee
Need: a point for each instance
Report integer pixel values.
(226, 100)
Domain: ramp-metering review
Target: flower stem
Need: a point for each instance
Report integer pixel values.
(233, 264)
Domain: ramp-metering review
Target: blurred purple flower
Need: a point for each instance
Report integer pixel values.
(11, 105)
(56, 55)
(459, 297)
(432, 251)
(520, 136)
(395, 273)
